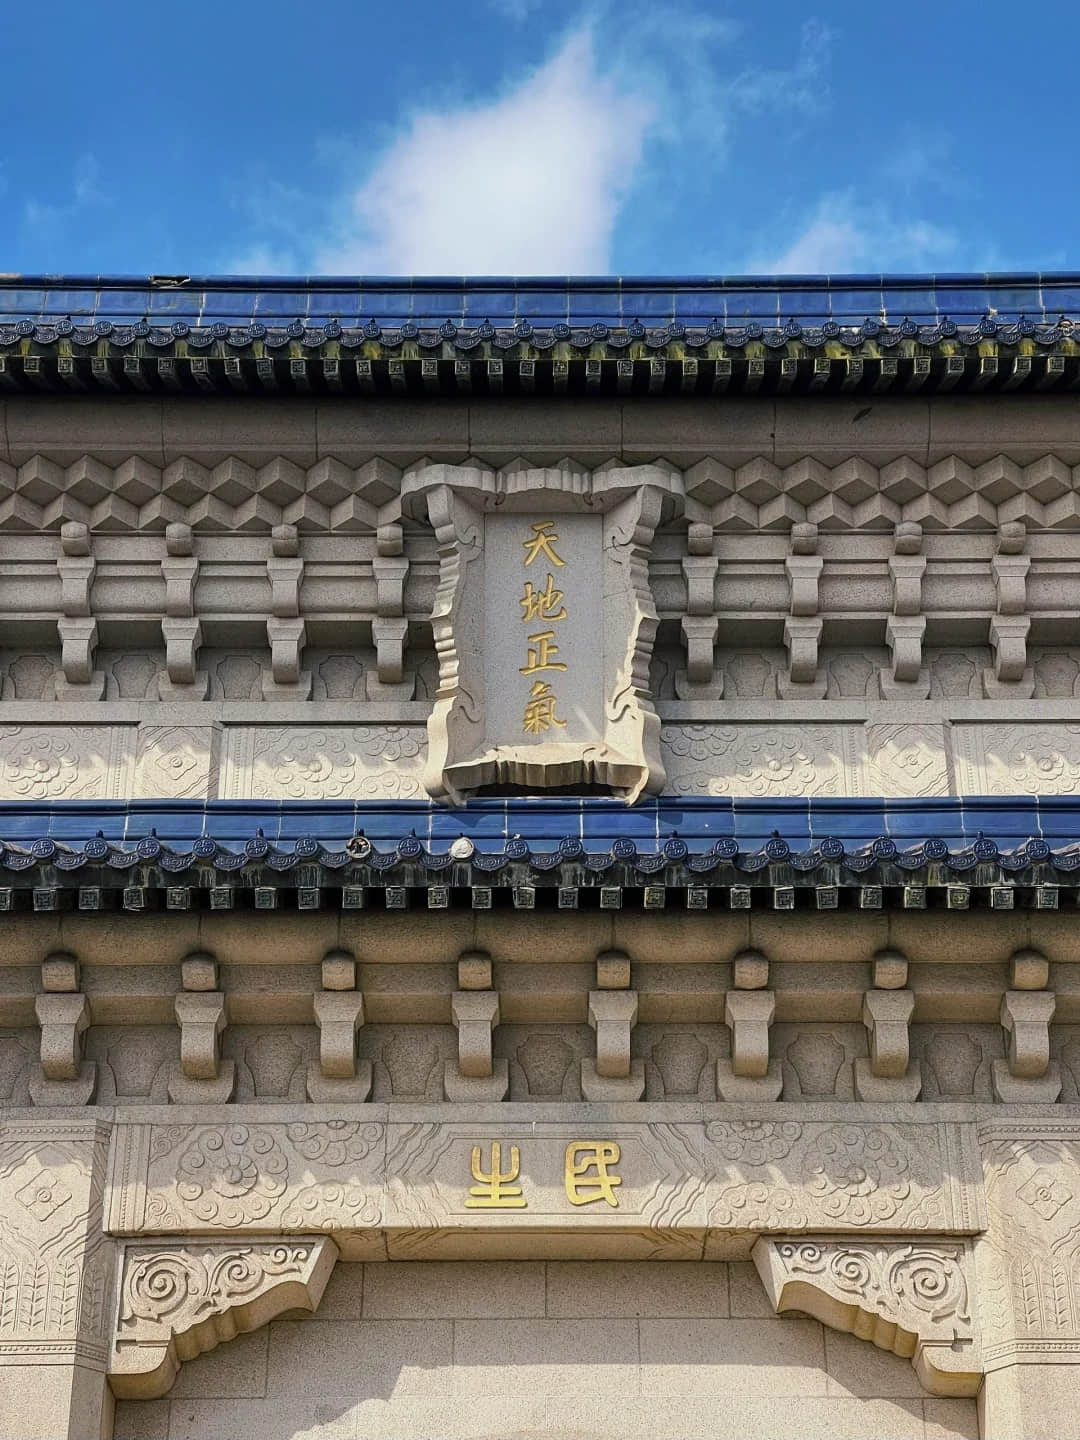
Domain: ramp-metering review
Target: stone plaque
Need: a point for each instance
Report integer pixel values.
(544, 625)
(543, 660)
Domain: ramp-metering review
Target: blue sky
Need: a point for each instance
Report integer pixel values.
(539, 136)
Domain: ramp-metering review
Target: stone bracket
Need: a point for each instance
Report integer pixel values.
(910, 1298)
(178, 1301)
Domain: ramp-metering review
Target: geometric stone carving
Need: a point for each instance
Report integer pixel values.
(178, 1301)
(913, 1299)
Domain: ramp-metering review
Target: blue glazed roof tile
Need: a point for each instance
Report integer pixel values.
(544, 300)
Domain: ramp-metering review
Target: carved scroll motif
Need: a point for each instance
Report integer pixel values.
(911, 1299)
(177, 1302)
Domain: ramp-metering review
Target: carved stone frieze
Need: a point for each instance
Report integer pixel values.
(247, 1175)
(297, 762)
(788, 1174)
(66, 762)
(906, 760)
(178, 1301)
(1021, 759)
(912, 1299)
(764, 760)
(177, 762)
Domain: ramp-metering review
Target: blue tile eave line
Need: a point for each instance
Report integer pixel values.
(615, 299)
(543, 821)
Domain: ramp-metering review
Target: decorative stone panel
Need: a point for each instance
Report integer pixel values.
(1018, 759)
(178, 1301)
(912, 1299)
(66, 762)
(763, 760)
(331, 762)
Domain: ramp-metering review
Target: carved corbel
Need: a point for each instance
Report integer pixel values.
(64, 1077)
(286, 631)
(1008, 640)
(202, 1076)
(699, 636)
(1010, 627)
(391, 572)
(339, 1013)
(802, 639)
(288, 681)
(1011, 566)
(180, 628)
(748, 1012)
(1028, 1073)
(476, 1075)
(390, 627)
(77, 627)
(613, 1013)
(911, 1299)
(178, 1301)
(803, 625)
(905, 629)
(391, 637)
(285, 571)
(890, 1073)
(804, 566)
(700, 622)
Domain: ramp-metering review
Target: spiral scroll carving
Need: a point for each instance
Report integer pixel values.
(179, 1301)
(912, 1299)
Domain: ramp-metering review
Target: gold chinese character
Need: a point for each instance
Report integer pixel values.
(540, 709)
(583, 1156)
(540, 654)
(543, 604)
(541, 543)
(493, 1190)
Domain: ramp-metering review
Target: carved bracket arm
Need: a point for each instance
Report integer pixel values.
(178, 1301)
(913, 1299)
(476, 1076)
(613, 1075)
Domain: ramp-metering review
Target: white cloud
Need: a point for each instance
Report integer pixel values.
(528, 183)
(534, 179)
(845, 235)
